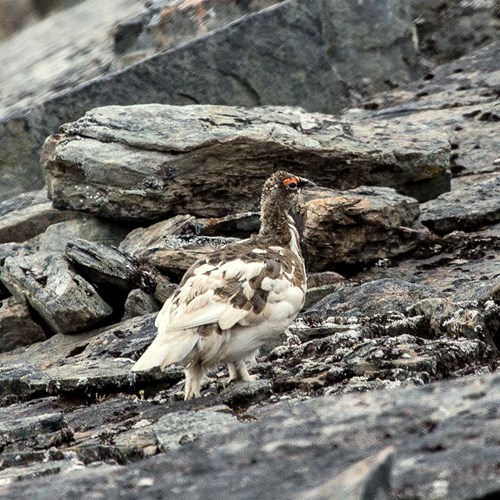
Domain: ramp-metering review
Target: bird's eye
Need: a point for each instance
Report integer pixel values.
(291, 183)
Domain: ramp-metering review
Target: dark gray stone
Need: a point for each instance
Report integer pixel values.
(50, 57)
(139, 303)
(316, 39)
(464, 209)
(373, 297)
(293, 447)
(16, 326)
(25, 223)
(65, 301)
(136, 163)
(22, 201)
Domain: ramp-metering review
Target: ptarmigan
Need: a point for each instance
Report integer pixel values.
(230, 303)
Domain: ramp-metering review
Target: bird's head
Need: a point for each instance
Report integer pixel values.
(283, 188)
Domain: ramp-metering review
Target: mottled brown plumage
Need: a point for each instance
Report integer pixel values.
(230, 303)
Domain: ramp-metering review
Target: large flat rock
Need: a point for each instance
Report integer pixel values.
(144, 161)
(321, 53)
(444, 437)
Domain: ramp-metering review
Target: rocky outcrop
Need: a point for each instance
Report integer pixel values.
(434, 452)
(417, 302)
(104, 165)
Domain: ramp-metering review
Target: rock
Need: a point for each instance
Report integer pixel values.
(319, 285)
(238, 74)
(38, 63)
(32, 433)
(459, 99)
(358, 226)
(154, 236)
(460, 266)
(103, 265)
(139, 303)
(155, 177)
(240, 395)
(240, 225)
(464, 209)
(57, 236)
(65, 301)
(450, 30)
(16, 326)
(21, 225)
(178, 253)
(368, 478)
(23, 200)
(374, 297)
(178, 428)
(291, 448)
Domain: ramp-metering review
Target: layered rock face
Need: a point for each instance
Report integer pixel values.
(385, 386)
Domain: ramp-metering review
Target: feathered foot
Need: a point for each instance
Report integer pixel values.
(194, 373)
(239, 371)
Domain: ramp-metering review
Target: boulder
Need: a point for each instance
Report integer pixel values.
(56, 237)
(358, 226)
(329, 44)
(139, 162)
(466, 208)
(25, 223)
(139, 303)
(63, 299)
(16, 326)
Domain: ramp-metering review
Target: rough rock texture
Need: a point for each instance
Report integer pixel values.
(468, 207)
(448, 30)
(54, 55)
(16, 326)
(358, 226)
(219, 69)
(427, 311)
(106, 165)
(460, 99)
(292, 450)
(25, 223)
(65, 301)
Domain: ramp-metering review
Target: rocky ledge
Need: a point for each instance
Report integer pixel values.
(386, 385)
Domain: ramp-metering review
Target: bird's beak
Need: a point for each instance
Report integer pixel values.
(305, 183)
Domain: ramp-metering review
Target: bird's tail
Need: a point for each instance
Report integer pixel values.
(163, 352)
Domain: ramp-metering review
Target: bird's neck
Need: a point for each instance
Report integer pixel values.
(279, 227)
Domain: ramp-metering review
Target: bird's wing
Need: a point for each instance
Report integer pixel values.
(224, 293)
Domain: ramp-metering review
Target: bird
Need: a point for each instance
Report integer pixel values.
(234, 300)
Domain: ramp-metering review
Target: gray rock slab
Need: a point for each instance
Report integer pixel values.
(461, 266)
(57, 236)
(65, 301)
(25, 223)
(469, 26)
(139, 162)
(23, 200)
(466, 208)
(311, 68)
(293, 447)
(16, 326)
(178, 428)
(139, 303)
(102, 264)
(358, 226)
(154, 236)
(51, 56)
(460, 99)
(374, 297)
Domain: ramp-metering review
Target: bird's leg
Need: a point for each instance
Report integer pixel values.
(194, 374)
(242, 370)
(233, 374)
